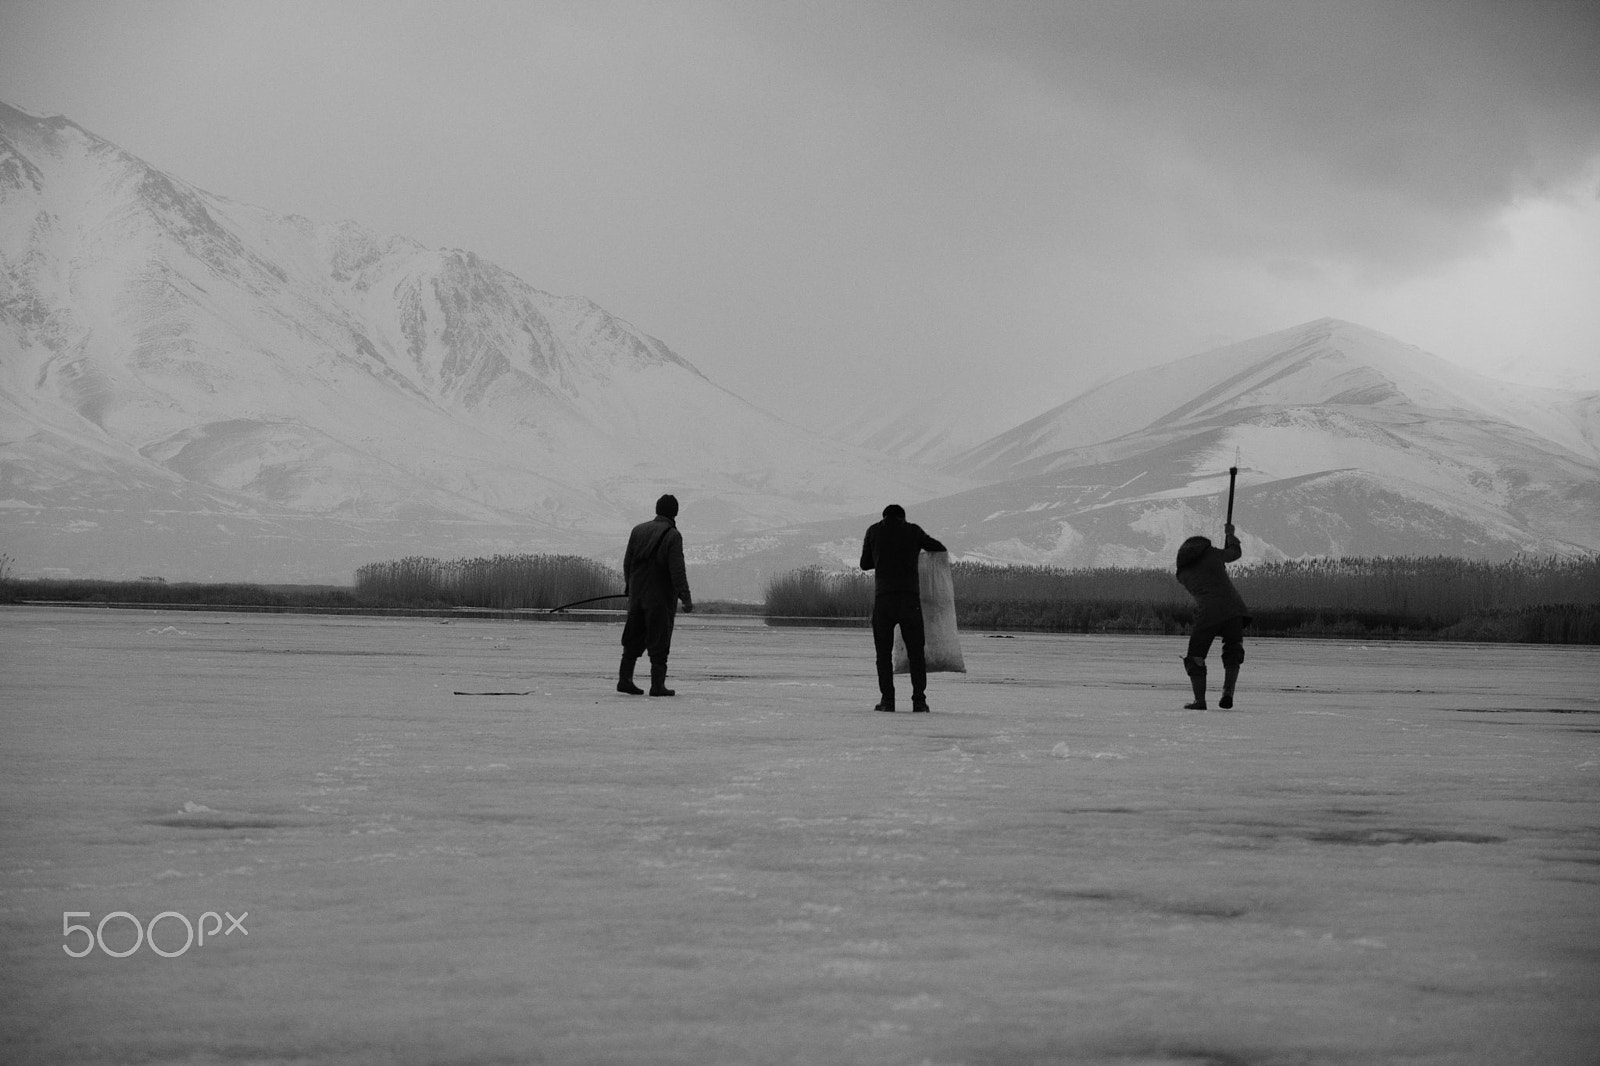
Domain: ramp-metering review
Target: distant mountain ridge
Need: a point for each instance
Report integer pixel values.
(198, 388)
(1326, 364)
(1349, 443)
(166, 352)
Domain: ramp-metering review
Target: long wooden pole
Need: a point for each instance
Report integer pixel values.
(591, 599)
(1233, 474)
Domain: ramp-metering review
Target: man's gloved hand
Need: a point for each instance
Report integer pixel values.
(688, 605)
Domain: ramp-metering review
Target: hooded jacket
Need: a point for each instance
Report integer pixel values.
(1202, 569)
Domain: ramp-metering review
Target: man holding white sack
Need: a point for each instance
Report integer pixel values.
(890, 549)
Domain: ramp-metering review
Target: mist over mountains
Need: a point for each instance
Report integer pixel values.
(200, 389)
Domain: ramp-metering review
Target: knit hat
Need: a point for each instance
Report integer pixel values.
(667, 506)
(894, 510)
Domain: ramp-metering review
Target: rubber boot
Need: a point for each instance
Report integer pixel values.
(658, 680)
(919, 685)
(625, 683)
(1230, 676)
(1196, 669)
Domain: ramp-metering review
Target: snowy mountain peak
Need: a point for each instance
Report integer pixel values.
(1327, 364)
(1349, 442)
(166, 351)
(1328, 361)
(17, 122)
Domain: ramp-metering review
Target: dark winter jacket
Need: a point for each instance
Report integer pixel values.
(1202, 569)
(653, 565)
(890, 548)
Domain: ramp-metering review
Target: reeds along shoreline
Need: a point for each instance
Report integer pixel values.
(503, 582)
(814, 592)
(1528, 600)
(1542, 600)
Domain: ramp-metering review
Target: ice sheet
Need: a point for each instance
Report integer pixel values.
(1386, 853)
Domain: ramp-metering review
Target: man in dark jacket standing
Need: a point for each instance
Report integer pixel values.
(1219, 611)
(655, 580)
(891, 548)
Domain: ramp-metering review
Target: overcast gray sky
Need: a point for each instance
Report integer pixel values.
(822, 204)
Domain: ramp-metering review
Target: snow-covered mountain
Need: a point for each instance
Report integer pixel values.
(1328, 366)
(195, 387)
(1348, 442)
(935, 429)
(201, 389)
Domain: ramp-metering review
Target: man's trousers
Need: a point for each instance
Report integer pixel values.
(649, 630)
(902, 609)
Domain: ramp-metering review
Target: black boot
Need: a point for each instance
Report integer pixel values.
(1230, 676)
(918, 668)
(658, 680)
(625, 683)
(885, 687)
(1196, 669)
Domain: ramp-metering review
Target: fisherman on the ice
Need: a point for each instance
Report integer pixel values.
(1219, 612)
(656, 580)
(891, 548)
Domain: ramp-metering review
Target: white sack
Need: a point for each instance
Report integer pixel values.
(937, 589)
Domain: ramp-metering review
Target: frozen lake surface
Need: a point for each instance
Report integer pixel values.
(1386, 854)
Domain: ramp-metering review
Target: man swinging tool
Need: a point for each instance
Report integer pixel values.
(1219, 610)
